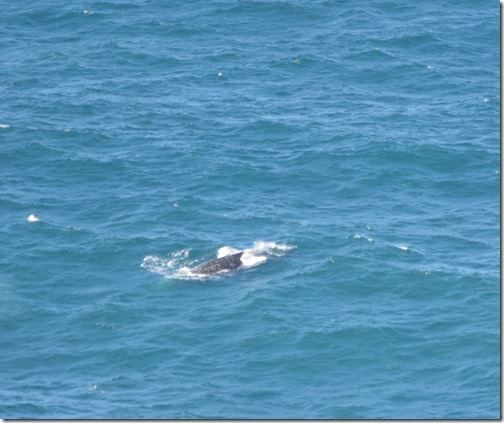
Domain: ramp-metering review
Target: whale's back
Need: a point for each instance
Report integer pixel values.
(230, 262)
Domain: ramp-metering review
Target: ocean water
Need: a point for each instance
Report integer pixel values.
(350, 149)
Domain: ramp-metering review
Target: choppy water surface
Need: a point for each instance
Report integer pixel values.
(351, 149)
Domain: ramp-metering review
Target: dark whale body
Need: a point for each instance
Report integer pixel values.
(231, 262)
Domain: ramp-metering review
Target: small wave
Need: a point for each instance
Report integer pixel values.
(33, 218)
(178, 265)
(95, 389)
(359, 236)
(402, 247)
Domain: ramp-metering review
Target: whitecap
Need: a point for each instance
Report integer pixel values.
(33, 218)
(359, 236)
(4, 125)
(92, 388)
(423, 272)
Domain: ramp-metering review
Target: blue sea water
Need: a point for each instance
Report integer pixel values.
(350, 148)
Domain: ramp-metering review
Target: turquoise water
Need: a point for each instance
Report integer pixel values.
(352, 150)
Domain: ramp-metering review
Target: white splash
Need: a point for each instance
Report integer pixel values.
(271, 248)
(171, 268)
(249, 259)
(226, 251)
(403, 247)
(94, 389)
(33, 218)
(4, 125)
(178, 265)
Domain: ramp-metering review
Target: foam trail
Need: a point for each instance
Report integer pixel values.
(271, 248)
(172, 268)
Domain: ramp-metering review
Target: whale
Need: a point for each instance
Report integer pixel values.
(222, 264)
